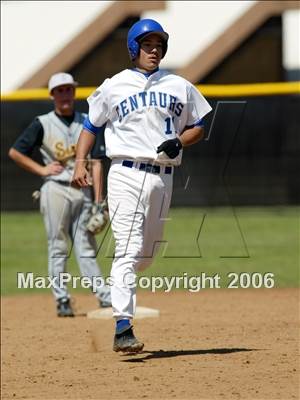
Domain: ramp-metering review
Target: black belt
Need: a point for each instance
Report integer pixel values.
(154, 169)
(64, 183)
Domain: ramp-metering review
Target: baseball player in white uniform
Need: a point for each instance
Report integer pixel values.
(66, 209)
(150, 116)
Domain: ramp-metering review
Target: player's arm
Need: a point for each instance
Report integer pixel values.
(22, 149)
(30, 165)
(91, 127)
(197, 108)
(97, 154)
(191, 136)
(97, 175)
(84, 146)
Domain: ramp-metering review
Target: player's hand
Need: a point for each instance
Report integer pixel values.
(171, 147)
(81, 175)
(54, 168)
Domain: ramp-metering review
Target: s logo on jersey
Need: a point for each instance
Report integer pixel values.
(62, 153)
(148, 99)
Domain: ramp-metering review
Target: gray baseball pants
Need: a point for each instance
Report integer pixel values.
(66, 211)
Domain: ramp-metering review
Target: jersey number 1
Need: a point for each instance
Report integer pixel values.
(168, 130)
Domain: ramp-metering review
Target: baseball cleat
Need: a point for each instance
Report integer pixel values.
(64, 308)
(105, 303)
(127, 342)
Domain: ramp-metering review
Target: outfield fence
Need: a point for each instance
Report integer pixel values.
(250, 155)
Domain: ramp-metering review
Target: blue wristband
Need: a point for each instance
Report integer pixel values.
(90, 127)
(199, 123)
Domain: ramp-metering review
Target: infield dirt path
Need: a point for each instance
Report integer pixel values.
(217, 344)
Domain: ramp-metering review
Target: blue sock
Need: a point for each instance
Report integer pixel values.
(122, 324)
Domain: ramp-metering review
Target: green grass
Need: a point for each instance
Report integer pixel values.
(241, 240)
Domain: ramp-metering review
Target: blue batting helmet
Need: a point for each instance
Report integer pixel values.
(139, 30)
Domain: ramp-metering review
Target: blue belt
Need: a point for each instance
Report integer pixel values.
(154, 169)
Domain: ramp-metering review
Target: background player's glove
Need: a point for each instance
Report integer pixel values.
(98, 219)
(36, 195)
(171, 147)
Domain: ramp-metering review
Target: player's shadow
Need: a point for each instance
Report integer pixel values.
(149, 355)
(80, 314)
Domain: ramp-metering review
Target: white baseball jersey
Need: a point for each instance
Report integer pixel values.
(144, 110)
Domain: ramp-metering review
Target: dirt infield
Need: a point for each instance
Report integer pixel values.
(217, 344)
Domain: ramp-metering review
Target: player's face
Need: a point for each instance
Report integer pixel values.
(64, 99)
(151, 50)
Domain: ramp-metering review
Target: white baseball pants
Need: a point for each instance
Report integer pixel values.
(138, 203)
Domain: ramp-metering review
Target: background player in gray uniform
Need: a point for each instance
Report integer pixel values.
(150, 116)
(66, 210)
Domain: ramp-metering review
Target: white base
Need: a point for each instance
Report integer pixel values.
(141, 312)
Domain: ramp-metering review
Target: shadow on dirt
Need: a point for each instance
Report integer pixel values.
(148, 355)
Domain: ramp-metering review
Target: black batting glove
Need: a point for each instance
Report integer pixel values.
(171, 147)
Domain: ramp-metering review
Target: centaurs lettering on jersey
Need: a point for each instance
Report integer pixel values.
(148, 99)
